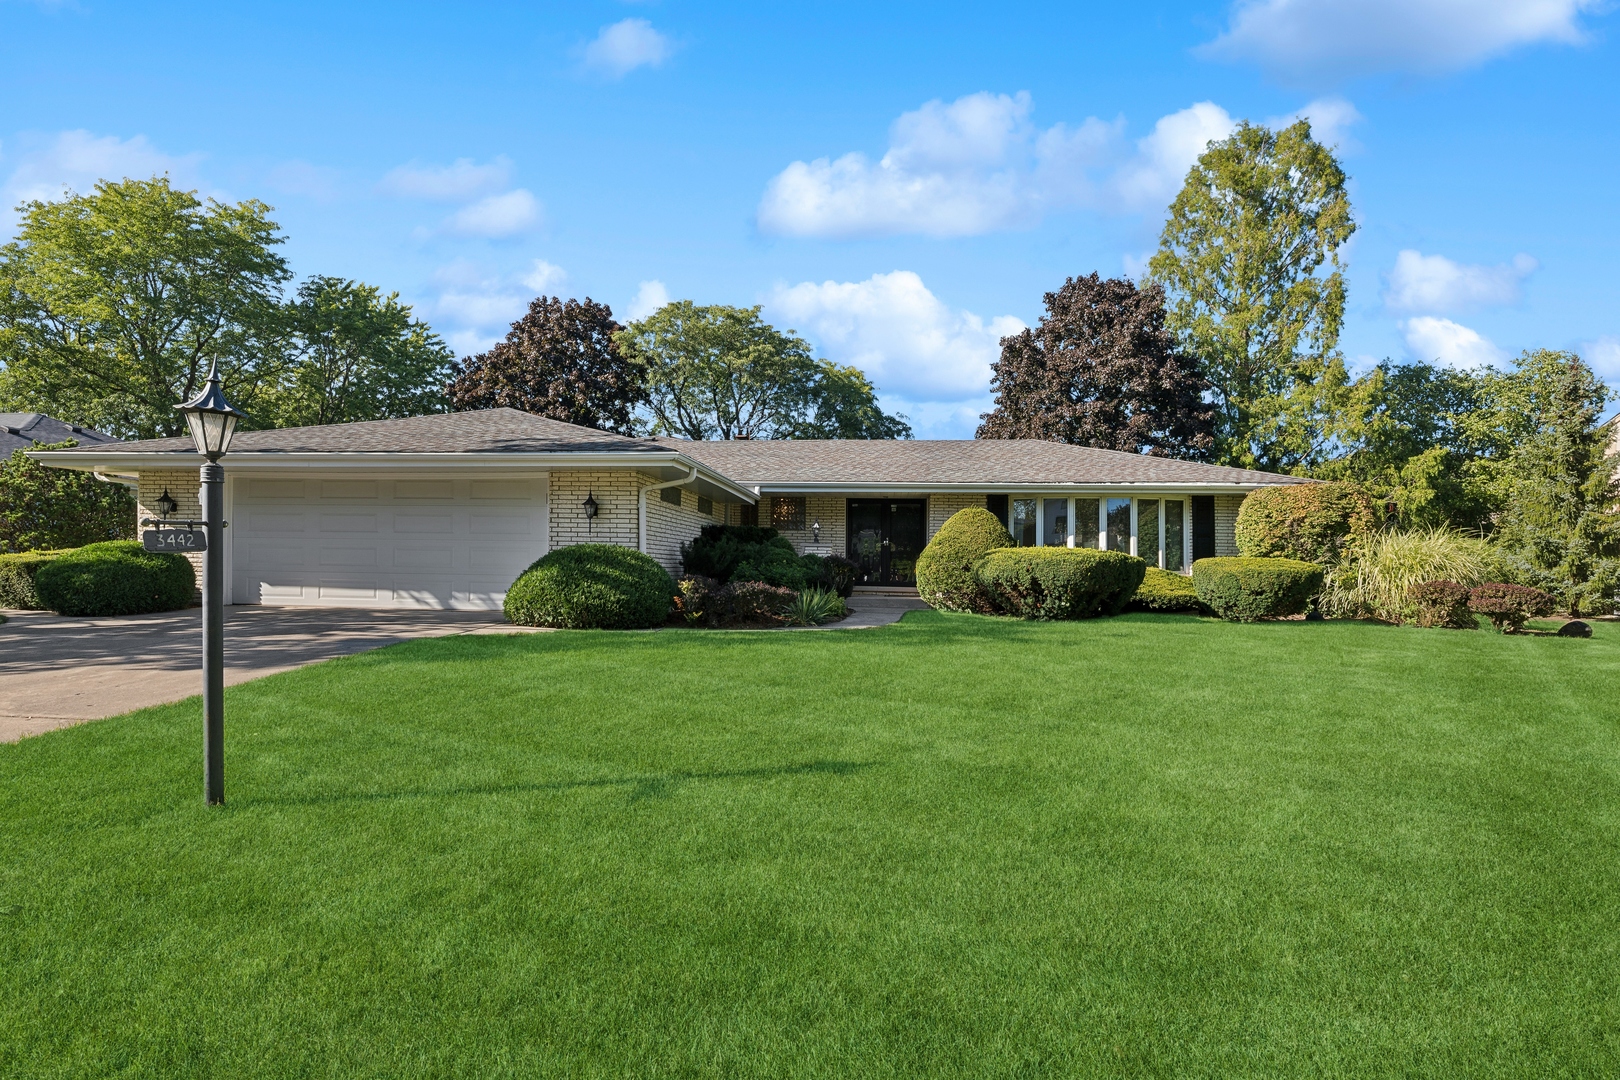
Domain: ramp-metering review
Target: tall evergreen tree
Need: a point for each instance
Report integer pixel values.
(1101, 370)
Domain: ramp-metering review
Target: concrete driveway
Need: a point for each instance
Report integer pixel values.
(56, 671)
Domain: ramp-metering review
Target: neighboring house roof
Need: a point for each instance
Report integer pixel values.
(21, 430)
(727, 470)
(924, 464)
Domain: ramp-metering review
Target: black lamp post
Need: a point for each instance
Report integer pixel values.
(213, 422)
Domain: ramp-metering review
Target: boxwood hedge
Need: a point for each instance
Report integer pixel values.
(1060, 583)
(945, 577)
(17, 572)
(116, 577)
(592, 587)
(1244, 590)
(1163, 591)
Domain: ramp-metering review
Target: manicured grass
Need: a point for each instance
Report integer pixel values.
(1145, 846)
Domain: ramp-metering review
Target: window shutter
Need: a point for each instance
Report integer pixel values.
(997, 505)
(1203, 526)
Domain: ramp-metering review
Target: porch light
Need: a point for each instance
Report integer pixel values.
(590, 504)
(815, 530)
(211, 418)
(166, 506)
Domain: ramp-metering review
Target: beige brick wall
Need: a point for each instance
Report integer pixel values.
(941, 507)
(827, 509)
(1226, 512)
(182, 485)
(669, 526)
(617, 493)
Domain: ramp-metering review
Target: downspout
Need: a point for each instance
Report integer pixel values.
(641, 516)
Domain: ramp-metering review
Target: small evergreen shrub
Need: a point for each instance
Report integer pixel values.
(1059, 583)
(945, 569)
(116, 577)
(1162, 590)
(1508, 606)
(592, 587)
(1317, 523)
(1244, 590)
(1442, 604)
(751, 553)
(17, 572)
(837, 573)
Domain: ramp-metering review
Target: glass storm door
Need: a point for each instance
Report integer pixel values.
(885, 538)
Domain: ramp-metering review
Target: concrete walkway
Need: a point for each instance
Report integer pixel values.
(56, 671)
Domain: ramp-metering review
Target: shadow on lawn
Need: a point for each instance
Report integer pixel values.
(641, 787)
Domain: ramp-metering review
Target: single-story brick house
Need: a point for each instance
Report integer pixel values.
(444, 511)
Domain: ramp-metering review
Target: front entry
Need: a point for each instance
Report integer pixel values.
(885, 538)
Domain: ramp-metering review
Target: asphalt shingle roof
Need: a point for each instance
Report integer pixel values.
(998, 462)
(21, 430)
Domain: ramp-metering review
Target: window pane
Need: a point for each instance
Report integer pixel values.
(1174, 542)
(1023, 522)
(1119, 525)
(1085, 522)
(1147, 530)
(1057, 522)
(788, 513)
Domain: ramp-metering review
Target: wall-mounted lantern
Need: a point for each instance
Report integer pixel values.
(815, 530)
(166, 506)
(590, 505)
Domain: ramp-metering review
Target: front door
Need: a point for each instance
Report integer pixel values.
(885, 538)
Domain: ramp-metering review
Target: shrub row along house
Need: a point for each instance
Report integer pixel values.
(446, 510)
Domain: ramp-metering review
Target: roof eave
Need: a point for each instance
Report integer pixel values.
(989, 487)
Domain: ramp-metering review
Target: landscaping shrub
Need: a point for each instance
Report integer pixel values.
(17, 572)
(945, 569)
(837, 573)
(1442, 604)
(813, 607)
(592, 587)
(1317, 523)
(42, 508)
(1508, 606)
(1059, 583)
(703, 601)
(1245, 589)
(1163, 591)
(750, 553)
(1378, 578)
(116, 577)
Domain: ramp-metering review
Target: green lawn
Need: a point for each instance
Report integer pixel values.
(1146, 846)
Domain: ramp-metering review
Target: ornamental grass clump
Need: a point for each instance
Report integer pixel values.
(1508, 606)
(592, 587)
(814, 606)
(1378, 581)
(117, 577)
(1246, 590)
(1060, 583)
(1442, 604)
(945, 569)
(1162, 590)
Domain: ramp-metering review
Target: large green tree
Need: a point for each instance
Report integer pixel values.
(355, 354)
(716, 372)
(113, 304)
(560, 360)
(1249, 261)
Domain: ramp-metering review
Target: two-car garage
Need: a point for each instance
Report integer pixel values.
(416, 541)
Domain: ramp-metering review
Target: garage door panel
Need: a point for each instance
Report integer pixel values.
(422, 543)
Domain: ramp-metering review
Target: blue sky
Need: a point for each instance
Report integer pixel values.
(899, 183)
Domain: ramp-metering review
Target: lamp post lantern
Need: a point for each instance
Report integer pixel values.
(213, 422)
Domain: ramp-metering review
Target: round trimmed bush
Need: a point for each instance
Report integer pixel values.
(592, 587)
(1309, 522)
(945, 577)
(1162, 590)
(1060, 583)
(1508, 606)
(1244, 590)
(1442, 604)
(116, 577)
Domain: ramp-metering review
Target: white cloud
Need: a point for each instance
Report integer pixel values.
(910, 343)
(77, 159)
(1331, 120)
(649, 298)
(978, 165)
(1604, 355)
(543, 277)
(1430, 340)
(626, 45)
(497, 216)
(1431, 283)
(1316, 40)
(459, 181)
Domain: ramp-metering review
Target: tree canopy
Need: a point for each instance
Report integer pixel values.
(43, 508)
(560, 360)
(1261, 216)
(113, 305)
(1101, 369)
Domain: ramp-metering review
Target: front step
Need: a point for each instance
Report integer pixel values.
(886, 590)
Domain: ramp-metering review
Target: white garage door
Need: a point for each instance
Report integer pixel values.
(412, 543)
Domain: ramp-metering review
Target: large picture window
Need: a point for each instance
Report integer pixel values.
(1087, 522)
(1023, 522)
(1175, 536)
(1119, 525)
(1055, 527)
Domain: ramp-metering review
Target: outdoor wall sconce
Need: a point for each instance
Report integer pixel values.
(166, 506)
(815, 531)
(590, 505)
